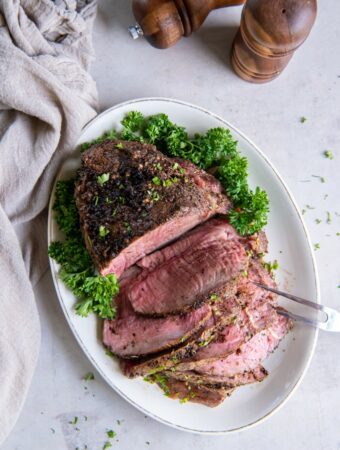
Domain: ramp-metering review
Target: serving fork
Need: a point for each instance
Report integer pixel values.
(330, 321)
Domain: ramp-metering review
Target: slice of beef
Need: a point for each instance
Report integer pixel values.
(183, 274)
(132, 200)
(250, 354)
(258, 374)
(253, 318)
(188, 392)
(135, 335)
(224, 312)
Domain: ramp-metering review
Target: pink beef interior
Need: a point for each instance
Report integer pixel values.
(250, 354)
(153, 240)
(188, 270)
(133, 335)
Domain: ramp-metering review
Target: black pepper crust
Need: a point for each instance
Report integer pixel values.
(145, 189)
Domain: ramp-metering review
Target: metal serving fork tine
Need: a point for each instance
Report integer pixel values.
(332, 317)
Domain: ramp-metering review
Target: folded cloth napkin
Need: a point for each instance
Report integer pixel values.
(46, 97)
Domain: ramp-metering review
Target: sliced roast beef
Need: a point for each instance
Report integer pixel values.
(132, 200)
(135, 335)
(185, 272)
(251, 320)
(223, 312)
(259, 373)
(250, 354)
(196, 393)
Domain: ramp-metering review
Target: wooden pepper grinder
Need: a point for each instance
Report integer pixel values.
(269, 34)
(164, 22)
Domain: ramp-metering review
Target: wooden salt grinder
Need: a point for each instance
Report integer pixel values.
(164, 22)
(269, 34)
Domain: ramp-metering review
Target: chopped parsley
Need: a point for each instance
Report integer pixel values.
(157, 181)
(322, 179)
(94, 292)
(111, 434)
(329, 218)
(271, 266)
(328, 154)
(317, 246)
(102, 179)
(120, 146)
(107, 445)
(154, 195)
(74, 421)
(188, 397)
(88, 377)
(303, 119)
(103, 231)
(206, 342)
(161, 380)
(318, 221)
(127, 226)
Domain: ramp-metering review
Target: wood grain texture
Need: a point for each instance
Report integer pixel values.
(164, 22)
(269, 34)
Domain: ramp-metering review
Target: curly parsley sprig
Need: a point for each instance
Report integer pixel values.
(95, 292)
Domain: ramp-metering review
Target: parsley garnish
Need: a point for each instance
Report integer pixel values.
(88, 377)
(320, 178)
(156, 181)
(102, 179)
(154, 195)
(328, 154)
(111, 434)
(103, 231)
(107, 445)
(127, 226)
(318, 221)
(316, 246)
(303, 119)
(329, 218)
(95, 292)
(271, 266)
(74, 421)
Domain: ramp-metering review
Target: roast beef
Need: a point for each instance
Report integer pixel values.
(232, 337)
(134, 335)
(257, 314)
(132, 200)
(224, 311)
(196, 393)
(185, 272)
(259, 373)
(249, 355)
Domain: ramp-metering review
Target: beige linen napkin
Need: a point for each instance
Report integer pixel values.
(46, 97)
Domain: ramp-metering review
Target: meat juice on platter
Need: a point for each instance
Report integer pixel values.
(189, 317)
